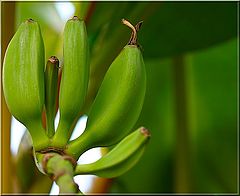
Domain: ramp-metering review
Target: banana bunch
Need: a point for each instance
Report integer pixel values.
(28, 89)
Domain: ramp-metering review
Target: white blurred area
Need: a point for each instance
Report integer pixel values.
(17, 131)
(66, 10)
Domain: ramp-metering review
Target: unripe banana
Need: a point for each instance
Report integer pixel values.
(120, 159)
(51, 85)
(118, 103)
(74, 82)
(23, 80)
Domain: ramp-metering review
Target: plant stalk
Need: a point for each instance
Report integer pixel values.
(60, 168)
(182, 158)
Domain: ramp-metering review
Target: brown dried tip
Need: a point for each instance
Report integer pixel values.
(74, 18)
(135, 29)
(29, 20)
(145, 132)
(53, 60)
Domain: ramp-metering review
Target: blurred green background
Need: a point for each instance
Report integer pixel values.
(190, 52)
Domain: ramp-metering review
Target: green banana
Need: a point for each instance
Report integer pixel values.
(118, 103)
(23, 80)
(74, 82)
(51, 84)
(120, 159)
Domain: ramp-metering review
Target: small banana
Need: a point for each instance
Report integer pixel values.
(74, 82)
(118, 103)
(120, 159)
(23, 80)
(51, 85)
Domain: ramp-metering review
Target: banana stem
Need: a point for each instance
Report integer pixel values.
(78, 146)
(61, 170)
(39, 137)
(135, 29)
(133, 39)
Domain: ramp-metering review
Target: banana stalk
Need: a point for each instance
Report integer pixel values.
(60, 168)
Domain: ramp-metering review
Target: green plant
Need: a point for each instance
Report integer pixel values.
(190, 53)
(113, 113)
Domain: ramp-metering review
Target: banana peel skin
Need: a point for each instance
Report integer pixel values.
(117, 105)
(23, 80)
(75, 76)
(120, 159)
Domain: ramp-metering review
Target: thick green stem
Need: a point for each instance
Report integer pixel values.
(62, 136)
(182, 161)
(79, 145)
(61, 170)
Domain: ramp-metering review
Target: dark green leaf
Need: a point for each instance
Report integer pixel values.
(176, 28)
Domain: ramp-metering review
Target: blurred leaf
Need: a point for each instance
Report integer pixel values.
(176, 28)
(81, 9)
(214, 103)
(169, 28)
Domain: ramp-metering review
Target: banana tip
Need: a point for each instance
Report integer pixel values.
(145, 132)
(53, 59)
(75, 18)
(30, 20)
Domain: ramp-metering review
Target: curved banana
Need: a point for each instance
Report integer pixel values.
(120, 159)
(51, 85)
(118, 103)
(23, 80)
(74, 82)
